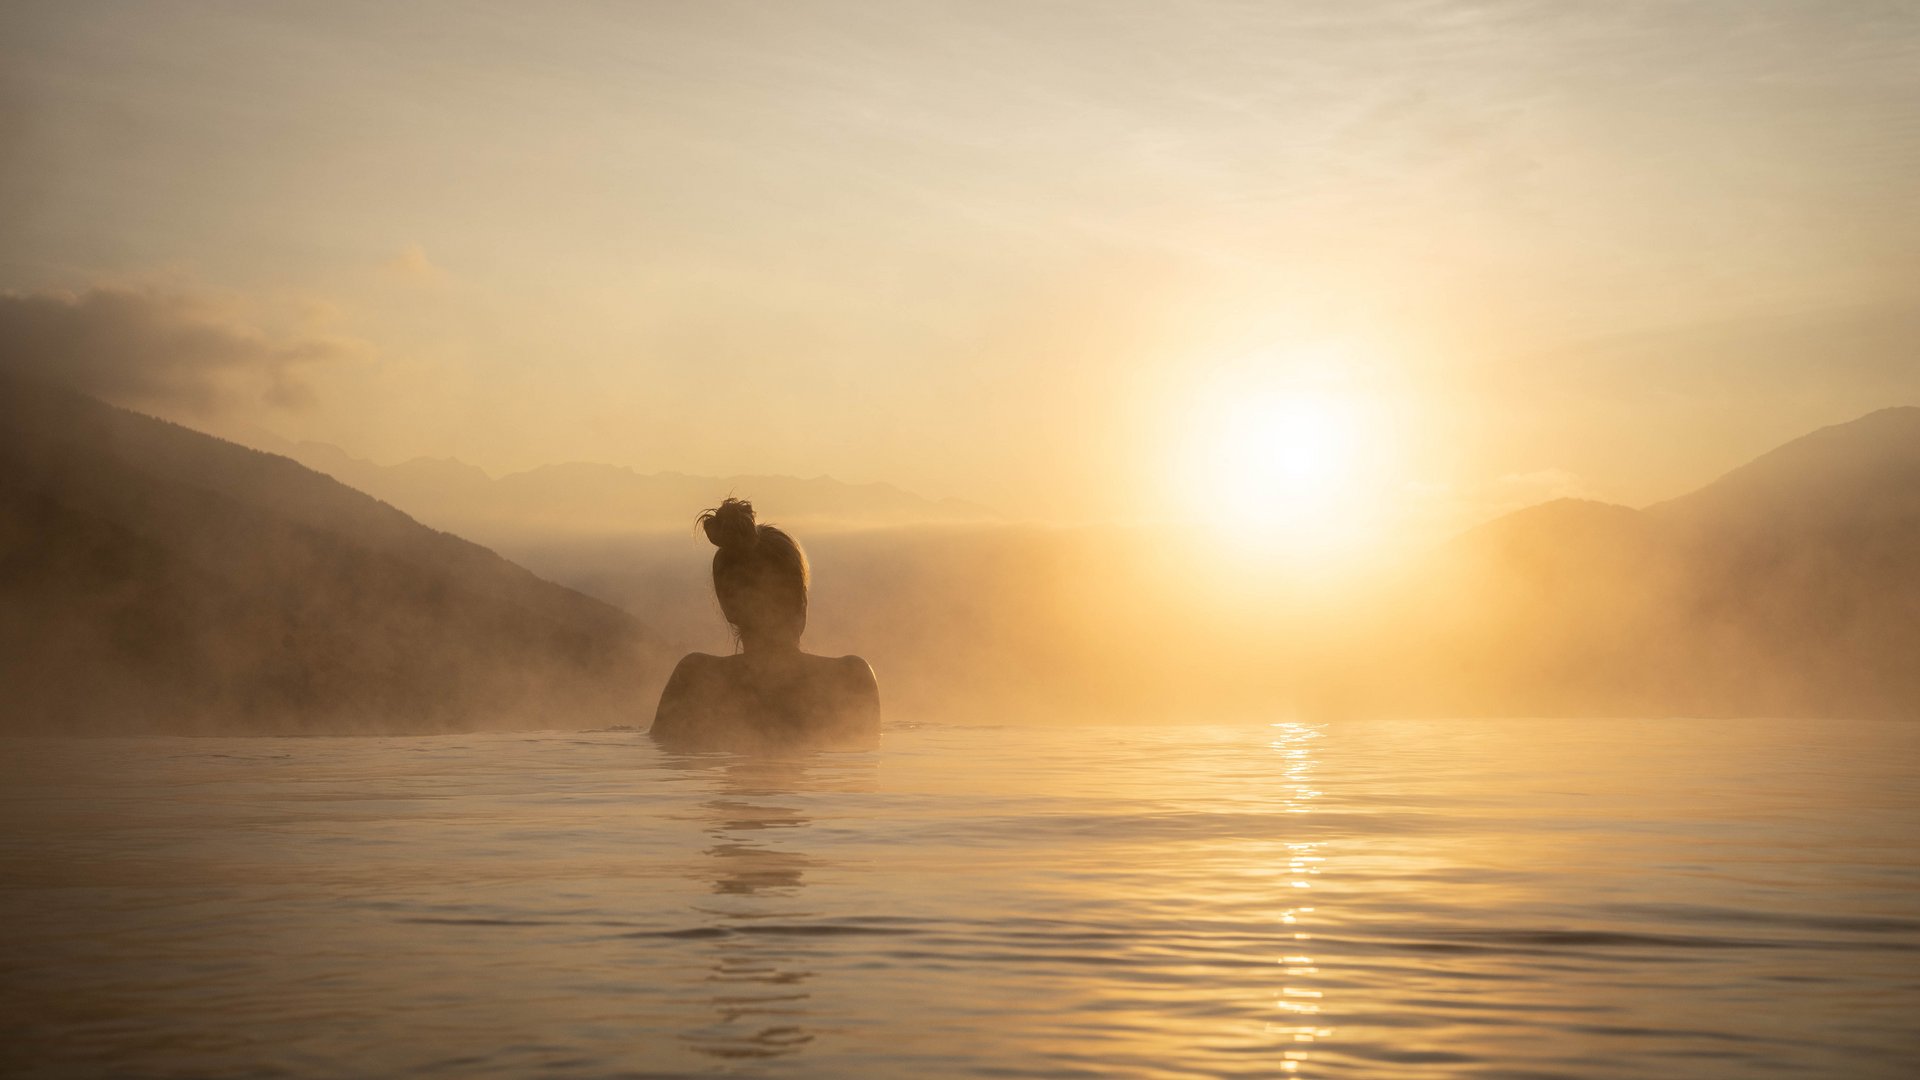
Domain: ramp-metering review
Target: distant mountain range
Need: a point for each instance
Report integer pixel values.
(155, 578)
(1790, 586)
(585, 499)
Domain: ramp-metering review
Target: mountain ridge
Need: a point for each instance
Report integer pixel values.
(1868, 467)
(159, 578)
(1790, 585)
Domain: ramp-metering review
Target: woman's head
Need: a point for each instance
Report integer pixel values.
(759, 574)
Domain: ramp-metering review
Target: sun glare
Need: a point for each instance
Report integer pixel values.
(1293, 468)
(1287, 458)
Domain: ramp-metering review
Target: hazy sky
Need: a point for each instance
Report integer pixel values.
(1012, 252)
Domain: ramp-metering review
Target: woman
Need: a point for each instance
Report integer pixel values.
(768, 694)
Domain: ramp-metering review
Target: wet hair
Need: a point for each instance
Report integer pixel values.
(760, 575)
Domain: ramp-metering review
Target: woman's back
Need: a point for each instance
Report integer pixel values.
(769, 694)
(763, 701)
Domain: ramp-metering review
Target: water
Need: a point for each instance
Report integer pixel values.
(1363, 898)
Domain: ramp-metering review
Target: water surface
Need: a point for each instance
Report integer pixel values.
(1357, 898)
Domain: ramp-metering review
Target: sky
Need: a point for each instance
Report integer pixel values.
(1057, 258)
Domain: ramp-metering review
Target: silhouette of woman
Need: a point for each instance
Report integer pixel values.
(768, 694)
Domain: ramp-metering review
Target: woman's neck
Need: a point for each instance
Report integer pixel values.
(756, 645)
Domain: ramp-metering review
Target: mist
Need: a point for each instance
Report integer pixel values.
(1783, 589)
(159, 579)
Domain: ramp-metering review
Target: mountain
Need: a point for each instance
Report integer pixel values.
(1790, 586)
(581, 499)
(1849, 475)
(153, 578)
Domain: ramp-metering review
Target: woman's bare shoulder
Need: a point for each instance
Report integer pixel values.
(680, 710)
(692, 680)
(851, 668)
(698, 663)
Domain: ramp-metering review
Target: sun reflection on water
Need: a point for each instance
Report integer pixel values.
(1300, 1005)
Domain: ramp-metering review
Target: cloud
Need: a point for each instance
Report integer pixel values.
(161, 349)
(411, 264)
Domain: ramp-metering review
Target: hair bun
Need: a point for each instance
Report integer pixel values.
(731, 525)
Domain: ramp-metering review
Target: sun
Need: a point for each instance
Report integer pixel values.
(1288, 458)
(1287, 469)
